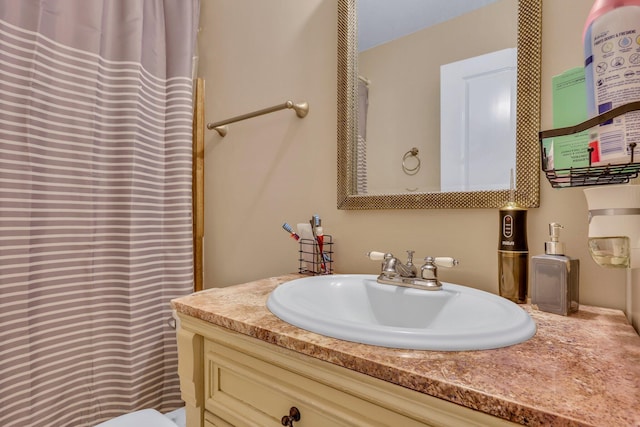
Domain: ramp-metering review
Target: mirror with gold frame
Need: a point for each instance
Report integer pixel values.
(527, 190)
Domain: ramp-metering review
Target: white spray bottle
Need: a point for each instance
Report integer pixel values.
(612, 71)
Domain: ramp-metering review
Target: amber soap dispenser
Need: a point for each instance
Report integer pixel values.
(555, 277)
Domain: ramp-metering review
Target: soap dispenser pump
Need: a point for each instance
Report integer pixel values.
(555, 277)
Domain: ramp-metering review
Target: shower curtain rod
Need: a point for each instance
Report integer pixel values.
(301, 109)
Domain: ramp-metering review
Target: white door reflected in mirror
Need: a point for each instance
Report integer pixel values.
(478, 122)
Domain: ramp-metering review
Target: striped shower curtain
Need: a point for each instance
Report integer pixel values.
(95, 205)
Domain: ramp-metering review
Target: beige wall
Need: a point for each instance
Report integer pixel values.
(278, 168)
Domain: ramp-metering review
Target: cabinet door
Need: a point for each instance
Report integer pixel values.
(247, 391)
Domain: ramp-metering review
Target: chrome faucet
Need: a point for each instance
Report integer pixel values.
(394, 272)
(393, 267)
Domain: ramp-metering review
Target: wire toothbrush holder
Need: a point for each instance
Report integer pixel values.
(312, 260)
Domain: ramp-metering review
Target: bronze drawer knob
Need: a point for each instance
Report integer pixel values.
(294, 415)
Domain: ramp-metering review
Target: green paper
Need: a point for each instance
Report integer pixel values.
(569, 98)
(569, 109)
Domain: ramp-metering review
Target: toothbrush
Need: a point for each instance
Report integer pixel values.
(317, 227)
(319, 234)
(289, 230)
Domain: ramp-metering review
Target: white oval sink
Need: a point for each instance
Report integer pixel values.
(354, 307)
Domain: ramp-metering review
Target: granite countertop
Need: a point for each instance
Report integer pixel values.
(580, 370)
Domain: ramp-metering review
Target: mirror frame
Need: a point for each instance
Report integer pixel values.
(527, 174)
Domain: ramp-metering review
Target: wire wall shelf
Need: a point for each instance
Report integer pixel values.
(592, 175)
(600, 174)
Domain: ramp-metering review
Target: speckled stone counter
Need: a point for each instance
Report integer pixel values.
(581, 370)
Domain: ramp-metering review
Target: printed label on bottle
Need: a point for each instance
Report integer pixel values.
(612, 67)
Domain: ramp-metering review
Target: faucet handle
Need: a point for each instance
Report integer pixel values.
(444, 261)
(429, 270)
(378, 256)
(389, 263)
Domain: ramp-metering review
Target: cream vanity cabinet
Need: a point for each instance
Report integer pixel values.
(230, 379)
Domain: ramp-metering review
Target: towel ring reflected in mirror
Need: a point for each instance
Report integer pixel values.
(409, 157)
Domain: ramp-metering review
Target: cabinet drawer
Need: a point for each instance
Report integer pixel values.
(211, 420)
(247, 391)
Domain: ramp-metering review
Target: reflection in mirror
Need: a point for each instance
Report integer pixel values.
(386, 103)
(474, 50)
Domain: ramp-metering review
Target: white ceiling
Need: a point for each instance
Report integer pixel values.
(380, 21)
